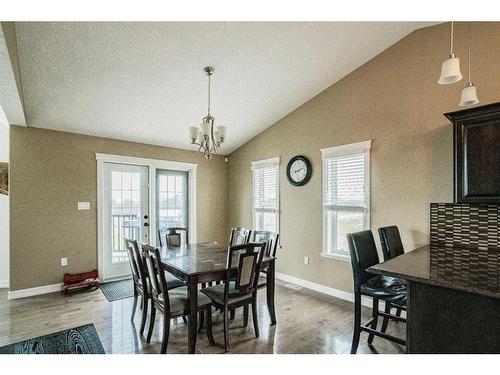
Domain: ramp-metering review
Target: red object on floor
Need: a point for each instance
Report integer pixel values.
(80, 280)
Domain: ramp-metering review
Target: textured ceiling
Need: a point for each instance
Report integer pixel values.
(144, 82)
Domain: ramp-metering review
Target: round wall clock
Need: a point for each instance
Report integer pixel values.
(298, 170)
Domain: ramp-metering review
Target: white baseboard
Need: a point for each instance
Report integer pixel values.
(325, 289)
(21, 293)
(4, 283)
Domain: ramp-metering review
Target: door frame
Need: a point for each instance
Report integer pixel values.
(153, 165)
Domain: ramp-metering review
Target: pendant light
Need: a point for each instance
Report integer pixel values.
(469, 92)
(450, 70)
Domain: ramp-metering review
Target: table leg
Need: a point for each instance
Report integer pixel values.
(270, 291)
(193, 313)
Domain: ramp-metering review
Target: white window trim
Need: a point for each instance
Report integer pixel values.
(258, 164)
(336, 151)
(153, 165)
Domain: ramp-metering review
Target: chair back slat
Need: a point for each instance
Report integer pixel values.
(390, 239)
(363, 254)
(136, 260)
(248, 262)
(270, 238)
(239, 236)
(159, 289)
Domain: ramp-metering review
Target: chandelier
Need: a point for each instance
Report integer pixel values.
(206, 137)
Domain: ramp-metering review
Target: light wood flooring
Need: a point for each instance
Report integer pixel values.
(308, 322)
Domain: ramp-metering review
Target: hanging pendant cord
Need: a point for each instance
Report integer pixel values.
(468, 44)
(209, 94)
(451, 39)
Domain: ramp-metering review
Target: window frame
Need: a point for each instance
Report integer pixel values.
(335, 152)
(261, 164)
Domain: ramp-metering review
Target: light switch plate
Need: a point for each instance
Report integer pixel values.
(64, 262)
(84, 205)
(306, 260)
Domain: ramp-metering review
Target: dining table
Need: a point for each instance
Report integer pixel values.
(206, 262)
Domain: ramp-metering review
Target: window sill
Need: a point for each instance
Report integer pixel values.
(342, 257)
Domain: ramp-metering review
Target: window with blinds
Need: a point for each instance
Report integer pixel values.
(265, 174)
(345, 195)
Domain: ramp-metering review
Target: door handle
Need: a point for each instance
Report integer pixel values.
(146, 224)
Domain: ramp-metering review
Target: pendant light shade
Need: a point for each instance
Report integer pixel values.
(450, 70)
(469, 95)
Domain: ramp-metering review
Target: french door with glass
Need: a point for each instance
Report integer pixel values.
(125, 214)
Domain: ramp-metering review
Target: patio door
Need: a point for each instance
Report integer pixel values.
(125, 214)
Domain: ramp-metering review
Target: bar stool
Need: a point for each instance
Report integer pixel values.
(388, 289)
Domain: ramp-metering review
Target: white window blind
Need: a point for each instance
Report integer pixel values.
(345, 195)
(266, 194)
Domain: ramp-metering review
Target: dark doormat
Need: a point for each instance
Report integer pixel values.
(79, 340)
(116, 290)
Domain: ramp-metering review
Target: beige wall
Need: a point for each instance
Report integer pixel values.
(393, 99)
(51, 171)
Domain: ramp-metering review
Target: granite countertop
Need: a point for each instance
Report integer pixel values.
(456, 267)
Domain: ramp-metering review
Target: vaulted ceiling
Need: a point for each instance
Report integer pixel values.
(144, 81)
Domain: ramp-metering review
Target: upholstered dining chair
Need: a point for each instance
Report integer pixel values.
(173, 236)
(239, 236)
(392, 247)
(171, 303)
(141, 280)
(240, 288)
(363, 255)
(139, 277)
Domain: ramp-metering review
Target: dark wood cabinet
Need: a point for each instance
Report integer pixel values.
(476, 139)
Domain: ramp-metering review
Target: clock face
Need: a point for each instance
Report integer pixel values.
(299, 170)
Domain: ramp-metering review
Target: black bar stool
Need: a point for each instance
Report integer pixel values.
(364, 255)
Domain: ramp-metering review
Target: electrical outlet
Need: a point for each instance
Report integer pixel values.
(306, 260)
(64, 262)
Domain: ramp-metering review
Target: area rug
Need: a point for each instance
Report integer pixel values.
(79, 340)
(116, 290)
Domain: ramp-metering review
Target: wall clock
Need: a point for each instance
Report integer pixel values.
(298, 170)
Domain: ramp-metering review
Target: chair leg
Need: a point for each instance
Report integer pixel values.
(232, 314)
(209, 326)
(134, 306)
(166, 332)
(151, 323)
(255, 317)
(385, 322)
(245, 315)
(375, 319)
(184, 319)
(202, 321)
(226, 328)
(144, 315)
(357, 322)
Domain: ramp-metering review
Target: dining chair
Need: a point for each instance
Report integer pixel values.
(240, 285)
(239, 236)
(392, 247)
(141, 279)
(173, 236)
(171, 303)
(363, 255)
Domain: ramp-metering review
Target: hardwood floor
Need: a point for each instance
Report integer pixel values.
(308, 322)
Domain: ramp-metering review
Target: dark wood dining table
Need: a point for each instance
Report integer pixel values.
(203, 263)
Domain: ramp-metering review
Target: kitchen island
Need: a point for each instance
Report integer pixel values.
(453, 297)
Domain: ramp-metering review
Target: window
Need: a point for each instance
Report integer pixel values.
(346, 195)
(265, 175)
(172, 198)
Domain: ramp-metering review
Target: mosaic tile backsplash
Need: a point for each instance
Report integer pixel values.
(466, 225)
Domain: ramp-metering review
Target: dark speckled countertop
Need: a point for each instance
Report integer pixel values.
(459, 267)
